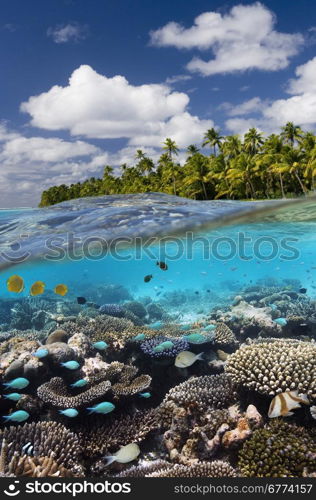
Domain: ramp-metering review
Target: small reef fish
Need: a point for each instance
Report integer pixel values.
(187, 358)
(282, 404)
(103, 408)
(79, 383)
(70, 412)
(15, 284)
(156, 325)
(162, 265)
(101, 345)
(61, 290)
(164, 346)
(273, 307)
(13, 396)
(40, 353)
(280, 321)
(140, 336)
(17, 383)
(125, 454)
(38, 288)
(209, 328)
(17, 416)
(145, 395)
(71, 365)
(197, 338)
(197, 293)
(303, 290)
(313, 411)
(81, 300)
(148, 278)
(208, 291)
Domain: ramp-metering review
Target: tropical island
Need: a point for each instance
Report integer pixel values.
(249, 167)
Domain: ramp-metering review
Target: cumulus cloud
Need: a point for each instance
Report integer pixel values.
(71, 32)
(300, 108)
(95, 106)
(244, 38)
(245, 108)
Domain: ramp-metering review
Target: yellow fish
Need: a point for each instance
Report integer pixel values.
(15, 284)
(187, 358)
(282, 404)
(37, 288)
(61, 290)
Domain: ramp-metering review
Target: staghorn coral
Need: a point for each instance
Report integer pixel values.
(104, 438)
(278, 450)
(56, 394)
(202, 393)
(44, 439)
(112, 310)
(147, 346)
(224, 335)
(275, 366)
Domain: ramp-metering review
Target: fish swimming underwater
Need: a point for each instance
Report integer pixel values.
(209, 327)
(17, 383)
(40, 353)
(282, 404)
(38, 288)
(148, 278)
(197, 338)
(13, 396)
(17, 416)
(303, 290)
(280, 321)
(164, 346)
(101, 345)
(162, 265)
(81, 300)
(103, 408)
(145, 395)
(156, 325)
(80, 383)
(125, 454)
(70, 412)
(15, 284)
(71, 365)
(187, 358)
(61, 290)
(140, 336)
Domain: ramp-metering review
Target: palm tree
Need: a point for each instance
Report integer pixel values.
(213, 139)
(192, 150)
(252, 141)
(291, 133)
(196, 171)
(170, 147)
(231, 147)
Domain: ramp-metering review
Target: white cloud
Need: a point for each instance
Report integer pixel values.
(95, 106)
(71, 32)
(177, 78)
(242, 39)
(250, 106)
(300, 108)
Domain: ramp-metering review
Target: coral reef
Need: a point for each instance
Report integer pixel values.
(275, 366)
(148, 346)
(278, 450)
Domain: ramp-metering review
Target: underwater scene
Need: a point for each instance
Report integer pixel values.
(155, 336)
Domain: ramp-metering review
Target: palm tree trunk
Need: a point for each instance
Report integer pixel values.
(281, 185)
(204, 190)
(300, 183)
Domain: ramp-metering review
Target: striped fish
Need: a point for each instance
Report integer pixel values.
(282, 404)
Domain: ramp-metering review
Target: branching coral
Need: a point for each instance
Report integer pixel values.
(45, 439)
(161, 468)
(278, 450)
(56, 394)
(224, 335)
(148, 347)
(275, 366)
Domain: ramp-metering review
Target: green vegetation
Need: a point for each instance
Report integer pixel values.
(250, 168)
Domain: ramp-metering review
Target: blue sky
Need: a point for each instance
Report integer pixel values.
(86, 83)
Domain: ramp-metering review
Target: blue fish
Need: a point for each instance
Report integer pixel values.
(163, 346)
(209, 327)
(79, 383)
(280, 321)
(17, 383)
(197, 338)
(40, 353)
(103, 408)
(71, 365)
(145, 395)
(101, 345)
(17, 416)
(273, 307)
(70, 412)
(140, 336)
(13, 396)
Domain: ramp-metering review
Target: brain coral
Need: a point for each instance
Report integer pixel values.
(275, 366)
(278, 450)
